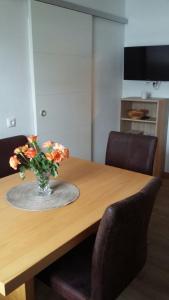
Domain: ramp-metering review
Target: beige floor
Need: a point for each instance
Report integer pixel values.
(153, 280)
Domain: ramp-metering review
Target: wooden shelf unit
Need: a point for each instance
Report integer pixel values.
(155, 125)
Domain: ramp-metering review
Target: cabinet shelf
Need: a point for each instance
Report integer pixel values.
(156, 125)
(150, 120)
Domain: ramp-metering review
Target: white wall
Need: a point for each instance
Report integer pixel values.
(148, 24)
(14, 68)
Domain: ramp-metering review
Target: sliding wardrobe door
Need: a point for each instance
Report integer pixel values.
(62, 55)
(108, 63)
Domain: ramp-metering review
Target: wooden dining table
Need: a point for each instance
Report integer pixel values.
(30, 241)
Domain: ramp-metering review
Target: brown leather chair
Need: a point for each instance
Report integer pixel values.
(7, 146)
(131, 151)
(100, 268)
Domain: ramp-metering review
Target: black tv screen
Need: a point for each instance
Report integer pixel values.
(148, 63)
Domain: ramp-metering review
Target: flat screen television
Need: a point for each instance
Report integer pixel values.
(148, 63)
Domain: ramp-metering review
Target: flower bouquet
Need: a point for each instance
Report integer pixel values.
(42, 163)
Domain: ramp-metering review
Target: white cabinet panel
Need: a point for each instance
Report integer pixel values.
(67, 121)
(62, 50)
(108, 62)
(60, 73)
(59, 30)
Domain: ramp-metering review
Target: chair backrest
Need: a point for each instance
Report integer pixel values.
(131, 151)
(121, 243)
(7, 146)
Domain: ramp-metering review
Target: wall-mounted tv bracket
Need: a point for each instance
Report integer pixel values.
(156, 84)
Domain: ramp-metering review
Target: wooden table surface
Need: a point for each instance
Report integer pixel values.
(30, 241)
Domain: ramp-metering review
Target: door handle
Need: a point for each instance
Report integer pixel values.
(43, 113)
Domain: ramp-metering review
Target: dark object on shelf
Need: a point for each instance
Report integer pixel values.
(145, 118)
(101, 268)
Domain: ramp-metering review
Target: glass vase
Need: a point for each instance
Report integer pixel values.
(44, 188)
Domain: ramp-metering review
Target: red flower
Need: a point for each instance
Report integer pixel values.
(30, 153)
(57, 156)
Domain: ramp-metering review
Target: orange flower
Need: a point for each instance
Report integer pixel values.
(24, 148)
(18, 150)
(66, 153)
(31, 153)
(64, 150)
(32, 138)
(55, 156)
(47, 144)
(21, 149)
(49, 156)
(14, 162)
(58, 146)
(58, 156)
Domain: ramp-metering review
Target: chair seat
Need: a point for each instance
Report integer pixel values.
(65, 276)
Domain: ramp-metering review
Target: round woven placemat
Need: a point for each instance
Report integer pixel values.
(25, 196)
